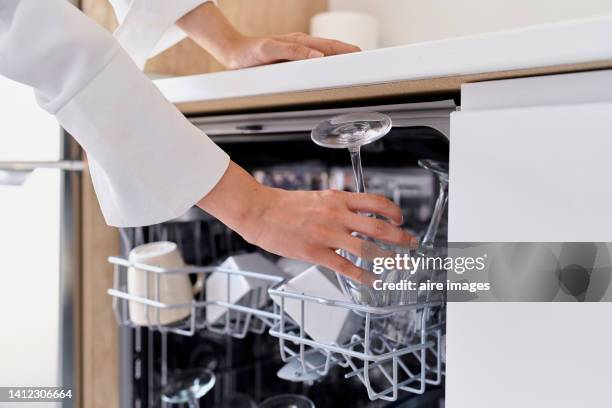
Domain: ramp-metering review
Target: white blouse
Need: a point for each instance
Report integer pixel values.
(147, 162)
(147, 27)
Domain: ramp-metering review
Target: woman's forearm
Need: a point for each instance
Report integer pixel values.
(235, 200)
(306, 225)
(210, 29)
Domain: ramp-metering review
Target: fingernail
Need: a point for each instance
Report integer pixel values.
(315, 54)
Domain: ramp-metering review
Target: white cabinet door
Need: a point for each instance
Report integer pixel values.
(532, 174)
(524, 170)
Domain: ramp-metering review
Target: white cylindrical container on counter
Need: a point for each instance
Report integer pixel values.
(352, 27)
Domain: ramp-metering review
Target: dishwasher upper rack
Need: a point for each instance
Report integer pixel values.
(238, 320)
(371, 352)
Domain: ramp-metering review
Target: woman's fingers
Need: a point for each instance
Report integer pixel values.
(273, 50)
(326, 46)
(343, 266)
(380, 230)
(377, 204)
(297, 46)
(356, 246)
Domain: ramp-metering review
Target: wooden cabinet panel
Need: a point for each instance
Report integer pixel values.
(100, 338)
(253, 17)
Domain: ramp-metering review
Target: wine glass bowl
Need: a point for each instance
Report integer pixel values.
(287, 401)
(440, 169)
(187, 387)
(352, 130)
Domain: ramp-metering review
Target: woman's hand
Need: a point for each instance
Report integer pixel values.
(252, 51)
(209, 28)
(306, 225)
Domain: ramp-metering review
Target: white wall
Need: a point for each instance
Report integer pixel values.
(409, 21)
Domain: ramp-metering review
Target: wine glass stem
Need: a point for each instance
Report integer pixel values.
(360, 187)
(357, 169)
(432, 229)
(193, 401)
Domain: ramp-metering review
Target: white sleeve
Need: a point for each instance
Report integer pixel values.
(148, 163)
(147, 27)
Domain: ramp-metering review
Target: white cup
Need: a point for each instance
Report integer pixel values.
(173, 288)
(323, 323)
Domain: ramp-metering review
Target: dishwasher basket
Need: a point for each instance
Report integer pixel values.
(238, 320)
(385, 362)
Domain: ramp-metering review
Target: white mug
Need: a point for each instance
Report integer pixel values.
(173, 288)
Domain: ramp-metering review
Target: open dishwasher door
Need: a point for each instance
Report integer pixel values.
(529, 162)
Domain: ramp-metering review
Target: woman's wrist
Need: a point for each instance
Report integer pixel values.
(239, 201)
(211, 30)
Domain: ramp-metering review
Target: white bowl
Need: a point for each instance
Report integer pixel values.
(247, 291)
(323, 323)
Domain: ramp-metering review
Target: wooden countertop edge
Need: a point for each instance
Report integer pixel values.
(416, 87)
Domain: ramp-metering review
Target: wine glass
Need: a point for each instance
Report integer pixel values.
(403, 326)
(188, 387)
(427, 245)
(287, 401)
(440, 170)
(351, 131)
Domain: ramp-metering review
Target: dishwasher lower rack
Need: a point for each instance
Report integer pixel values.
(254, 313)
(384, 362)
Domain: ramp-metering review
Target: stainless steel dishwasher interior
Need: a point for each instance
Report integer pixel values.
(276, 148)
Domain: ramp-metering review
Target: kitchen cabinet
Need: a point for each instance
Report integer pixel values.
(100, 338)
(253, 17)
(529, 161)
(527, 155)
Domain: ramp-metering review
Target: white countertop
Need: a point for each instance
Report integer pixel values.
(572, 42)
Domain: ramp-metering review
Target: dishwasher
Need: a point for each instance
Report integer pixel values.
(257, 351)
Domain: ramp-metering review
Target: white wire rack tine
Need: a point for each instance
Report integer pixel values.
(157, 299)
(147, 296)
(395, 378)
(328, 364)
(228, 300)
(115, 300)
(366, 346)
(164, 358)
(282, 329)
(302, 325)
